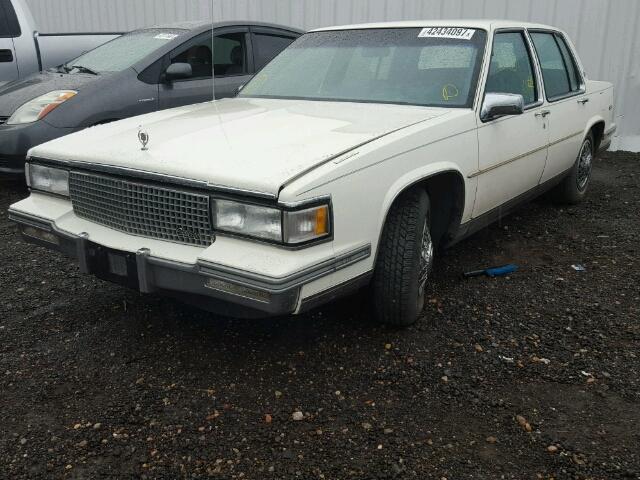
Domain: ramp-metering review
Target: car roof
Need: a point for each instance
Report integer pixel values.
(479, 24)
(198, 25)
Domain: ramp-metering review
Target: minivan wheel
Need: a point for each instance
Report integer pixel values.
(404, 262)
(574, 187)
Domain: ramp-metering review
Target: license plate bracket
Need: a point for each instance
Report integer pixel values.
(113, 265)
(117, 264)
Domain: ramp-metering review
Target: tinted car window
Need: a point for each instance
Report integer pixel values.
(431, 66)
(554, 70)
(572, 69)
(230, 54)
(511, 69)
(267, 47)
(9, 25)
(125, 51)
(229, 50)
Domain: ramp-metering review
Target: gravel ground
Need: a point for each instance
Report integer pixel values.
(532, 376)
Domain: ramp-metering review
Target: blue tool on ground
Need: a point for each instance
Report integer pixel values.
(493, 271)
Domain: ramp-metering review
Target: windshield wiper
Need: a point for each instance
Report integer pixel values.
(84, 69)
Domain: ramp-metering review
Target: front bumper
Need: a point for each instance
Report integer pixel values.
(217, 288)
(16, 140)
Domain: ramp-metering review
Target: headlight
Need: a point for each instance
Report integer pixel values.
(250, 220)
(40, 107)
(293, 227)
(47, 179)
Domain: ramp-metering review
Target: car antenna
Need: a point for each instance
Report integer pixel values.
(213, 57)
(213, 74)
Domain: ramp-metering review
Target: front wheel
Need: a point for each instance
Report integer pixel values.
(404, 262)
(574, 187)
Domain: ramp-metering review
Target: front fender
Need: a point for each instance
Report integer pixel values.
(419, 175)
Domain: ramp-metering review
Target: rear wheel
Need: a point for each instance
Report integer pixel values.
(404, 262)
(574, 187)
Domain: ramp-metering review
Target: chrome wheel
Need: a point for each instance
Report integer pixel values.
(426, 261)
(585, 164)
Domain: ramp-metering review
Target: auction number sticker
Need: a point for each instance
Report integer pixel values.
(166, 36)
(447, 32)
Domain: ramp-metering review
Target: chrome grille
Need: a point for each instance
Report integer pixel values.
(142, 209)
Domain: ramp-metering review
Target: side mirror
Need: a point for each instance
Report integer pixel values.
(178, 71)
(500, 104)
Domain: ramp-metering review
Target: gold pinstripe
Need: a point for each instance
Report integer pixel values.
(511, 160)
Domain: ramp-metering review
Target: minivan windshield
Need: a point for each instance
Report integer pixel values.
(123, 52)
(416, 66)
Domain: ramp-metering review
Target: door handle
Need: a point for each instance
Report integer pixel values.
(6, 56)
(583, 101)
(543, 114)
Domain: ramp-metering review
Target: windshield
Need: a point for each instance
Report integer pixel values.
(431, 66)
(125, 51)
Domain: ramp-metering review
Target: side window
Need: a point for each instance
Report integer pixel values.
(558, 68)
(229, 50)
(511, 69)
(267, 47)
(196, 53)
(9, 25)
(230, 53)
(572, 68)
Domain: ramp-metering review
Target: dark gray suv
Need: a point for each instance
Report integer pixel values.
(141, 72)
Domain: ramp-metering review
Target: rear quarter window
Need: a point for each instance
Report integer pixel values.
(572, 68)
(9, 25)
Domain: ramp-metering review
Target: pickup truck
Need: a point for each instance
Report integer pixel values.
(23, 50)
(343, 164)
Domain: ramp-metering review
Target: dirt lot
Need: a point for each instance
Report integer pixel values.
(100, 382)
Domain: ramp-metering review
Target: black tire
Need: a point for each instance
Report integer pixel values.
(398, 298)
(573, 188)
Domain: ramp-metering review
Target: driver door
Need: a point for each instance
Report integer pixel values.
(512, 149)
(232, 68)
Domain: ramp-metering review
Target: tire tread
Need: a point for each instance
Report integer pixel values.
(394, 296)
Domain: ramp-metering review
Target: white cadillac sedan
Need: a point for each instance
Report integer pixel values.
(343, 164)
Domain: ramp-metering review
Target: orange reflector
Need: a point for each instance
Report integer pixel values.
(322, 223)
(56, 103)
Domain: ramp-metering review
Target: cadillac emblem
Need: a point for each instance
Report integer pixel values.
(143, 138)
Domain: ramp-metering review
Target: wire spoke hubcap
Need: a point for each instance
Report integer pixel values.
(585, 164)
(426, 261)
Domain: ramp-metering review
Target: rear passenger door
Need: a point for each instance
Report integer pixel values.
(268, 43)
(232, 68)
(9, 29)
(566, 100)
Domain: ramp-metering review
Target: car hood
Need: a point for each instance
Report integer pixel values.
(255, 145)
(15, 94)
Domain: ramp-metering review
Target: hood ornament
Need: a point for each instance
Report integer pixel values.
(143, 138)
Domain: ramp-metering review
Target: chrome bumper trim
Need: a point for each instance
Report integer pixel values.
(190, 282)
